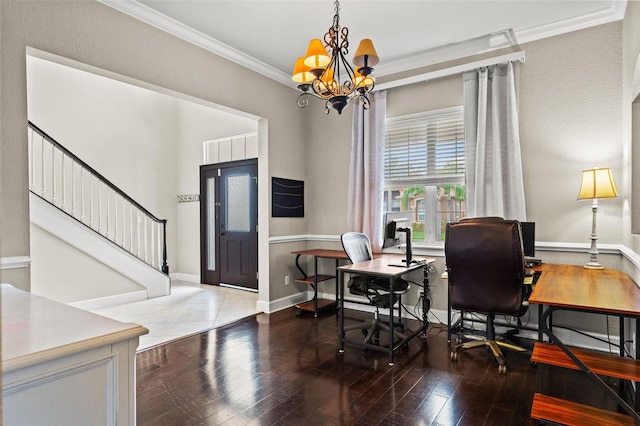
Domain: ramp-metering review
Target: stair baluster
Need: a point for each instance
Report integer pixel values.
(53, 175)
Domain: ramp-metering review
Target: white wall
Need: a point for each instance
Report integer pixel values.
(101, 37)
(62, 273)
(196, 125)
(570, 105)
(570, 110)
(126, 133)
(149, 144)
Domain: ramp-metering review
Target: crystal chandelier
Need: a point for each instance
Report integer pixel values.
(330, 77)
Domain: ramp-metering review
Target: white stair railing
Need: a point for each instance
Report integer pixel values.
(65, 181)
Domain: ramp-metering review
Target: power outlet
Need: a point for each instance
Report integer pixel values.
(286, 280)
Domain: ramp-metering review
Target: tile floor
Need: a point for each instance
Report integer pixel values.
(189, 309)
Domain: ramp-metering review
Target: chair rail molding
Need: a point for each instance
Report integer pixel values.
(438, 249)
(15, 262)
(308, 237)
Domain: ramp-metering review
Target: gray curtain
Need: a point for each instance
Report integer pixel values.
(492, 144)
(366, 174)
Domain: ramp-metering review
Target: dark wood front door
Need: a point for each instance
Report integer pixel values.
(229, 223)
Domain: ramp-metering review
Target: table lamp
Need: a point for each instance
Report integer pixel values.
(596, 183)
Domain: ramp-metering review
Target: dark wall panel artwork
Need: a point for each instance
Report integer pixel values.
(287, 197)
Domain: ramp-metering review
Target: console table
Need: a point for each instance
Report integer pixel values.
(62, 365)
(602, 292)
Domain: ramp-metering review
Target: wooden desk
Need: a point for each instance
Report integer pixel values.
(575, 288)
(315, 305)
(380, 266)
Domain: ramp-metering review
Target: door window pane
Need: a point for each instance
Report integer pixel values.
(211, 224)
(237, 203)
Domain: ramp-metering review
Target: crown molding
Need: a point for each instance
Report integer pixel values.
(146, 14)
(459, 69)
(448, 52)
(614, 13)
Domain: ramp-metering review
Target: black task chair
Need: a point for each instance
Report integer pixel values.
(485, 265)
(357, 246)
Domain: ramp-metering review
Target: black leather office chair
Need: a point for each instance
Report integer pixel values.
(357, 246)
(485, 265)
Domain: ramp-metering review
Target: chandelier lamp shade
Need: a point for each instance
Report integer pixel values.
(596, 183)
(325, 73)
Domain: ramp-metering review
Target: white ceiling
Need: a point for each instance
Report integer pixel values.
(268, 35)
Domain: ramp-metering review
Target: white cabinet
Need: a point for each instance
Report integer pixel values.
(65, 366)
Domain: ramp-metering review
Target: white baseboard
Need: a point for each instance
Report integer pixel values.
(190, 278)
(282, 303)
(104, 302)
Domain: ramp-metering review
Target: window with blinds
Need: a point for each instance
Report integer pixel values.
(424, 170)
(426, 148)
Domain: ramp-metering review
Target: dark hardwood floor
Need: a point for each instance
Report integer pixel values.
(283, 369)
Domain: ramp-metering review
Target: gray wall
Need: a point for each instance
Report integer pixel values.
(571, 118)
(99, 119)
(97, 35)
(630, 91)
(570, 114)
(573, 101)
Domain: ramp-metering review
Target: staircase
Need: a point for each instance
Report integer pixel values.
(78, 205)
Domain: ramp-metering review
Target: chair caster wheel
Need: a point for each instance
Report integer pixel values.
(454, 356)
(502, 369)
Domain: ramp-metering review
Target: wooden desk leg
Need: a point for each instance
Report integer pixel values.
(340, 279)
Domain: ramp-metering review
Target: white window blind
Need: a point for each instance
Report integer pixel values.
(425, 148)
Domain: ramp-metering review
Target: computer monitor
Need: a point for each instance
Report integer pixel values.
(529, 238)
(392, 222)
(397, 230)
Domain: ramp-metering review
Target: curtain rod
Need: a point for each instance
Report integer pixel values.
(459, 69)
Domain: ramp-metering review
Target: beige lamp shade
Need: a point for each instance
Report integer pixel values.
(366, 49)
(301, 72)
(317, 56)
(597, 183)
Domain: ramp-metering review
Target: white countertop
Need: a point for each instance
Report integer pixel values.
(36, 329)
